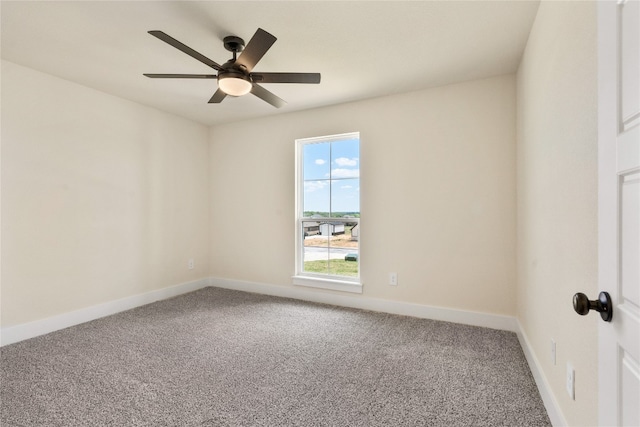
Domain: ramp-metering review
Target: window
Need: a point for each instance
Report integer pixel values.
(328, 212)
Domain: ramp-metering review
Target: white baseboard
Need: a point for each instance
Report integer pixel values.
(493, 321)
(549, 400)
(12, 334)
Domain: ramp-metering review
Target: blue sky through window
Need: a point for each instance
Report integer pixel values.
(332, 176)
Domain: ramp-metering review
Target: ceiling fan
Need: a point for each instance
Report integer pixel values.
(235, 77)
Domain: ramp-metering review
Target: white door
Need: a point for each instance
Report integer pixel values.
(619, 210)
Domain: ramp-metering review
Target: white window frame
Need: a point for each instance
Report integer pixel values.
(316, 280)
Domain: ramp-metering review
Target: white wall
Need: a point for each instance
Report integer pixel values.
(438, 194)
(101, 198)
(557, 198)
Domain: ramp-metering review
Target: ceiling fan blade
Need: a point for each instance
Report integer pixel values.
(286, 77)
(217, 97)
(186, 49)
(267, 96)
(255, 49)
(181, 76)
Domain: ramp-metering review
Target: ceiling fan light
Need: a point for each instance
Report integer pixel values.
(234, 84)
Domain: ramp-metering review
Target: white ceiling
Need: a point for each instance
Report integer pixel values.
(362, 49)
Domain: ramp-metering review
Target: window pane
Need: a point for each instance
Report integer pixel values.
(343, 250)
(316, 249)
(317, 198)
(317, 162)
(345, 197)
(330, 247)
(345, 159)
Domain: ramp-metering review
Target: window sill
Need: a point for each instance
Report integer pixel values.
(323, 283)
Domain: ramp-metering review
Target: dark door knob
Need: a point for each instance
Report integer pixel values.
(582, 305)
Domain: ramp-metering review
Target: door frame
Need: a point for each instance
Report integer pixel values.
(607, 199)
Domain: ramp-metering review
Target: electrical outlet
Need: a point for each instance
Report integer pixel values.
(393, 279)
(571, 381)
(191, 264)
(553, 351)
